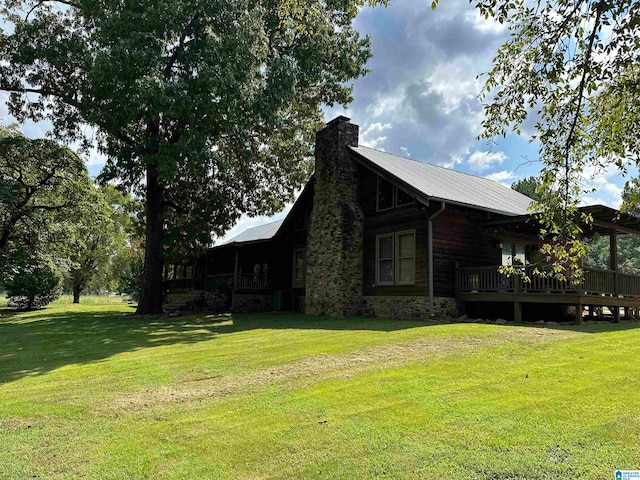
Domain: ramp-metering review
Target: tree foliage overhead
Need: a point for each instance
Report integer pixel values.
(573, 65)
(215, 97)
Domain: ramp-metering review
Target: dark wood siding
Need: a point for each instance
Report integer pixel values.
(367, 190)
(459, 239)
(411, 217)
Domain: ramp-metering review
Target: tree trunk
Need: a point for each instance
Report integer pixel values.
(151, 291)
(76, 293)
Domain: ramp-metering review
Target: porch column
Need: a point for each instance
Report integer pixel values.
(235, 283)
(613, 256)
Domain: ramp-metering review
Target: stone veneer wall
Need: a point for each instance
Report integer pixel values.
(251, 302)
(409, 307)
(334, 244)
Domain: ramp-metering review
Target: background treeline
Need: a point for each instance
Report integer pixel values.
(60, 231)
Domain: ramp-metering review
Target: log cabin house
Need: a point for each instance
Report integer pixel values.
(377, 234)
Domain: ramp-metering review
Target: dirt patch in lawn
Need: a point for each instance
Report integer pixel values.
(326, 366)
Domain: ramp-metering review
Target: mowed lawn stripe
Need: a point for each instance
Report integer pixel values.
(312, 398)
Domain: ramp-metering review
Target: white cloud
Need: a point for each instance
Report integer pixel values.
(480, 161)
(406, 151)
(371, 136)
(453, 161)
(386, 104)
(486, 25)
(452, 81)
(604, 185)
(505, 177)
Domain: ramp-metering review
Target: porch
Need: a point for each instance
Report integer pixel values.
(240, 281)
(598, 288)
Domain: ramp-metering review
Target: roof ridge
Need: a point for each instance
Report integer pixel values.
(433, 165)
(262, 225)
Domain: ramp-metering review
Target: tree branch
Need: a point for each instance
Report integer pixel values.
(581, 87)
(42, 2)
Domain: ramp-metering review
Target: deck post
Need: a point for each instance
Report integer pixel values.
(579, 310)
(517, 312)
(613, 256)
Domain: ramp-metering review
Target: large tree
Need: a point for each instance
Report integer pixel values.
(218, 96)
(572, 65)
(41, 183)
(95, 235)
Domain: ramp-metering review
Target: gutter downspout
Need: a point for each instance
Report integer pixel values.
(430, 260)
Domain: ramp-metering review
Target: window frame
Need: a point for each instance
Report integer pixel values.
(378, 259)
(513, 247)
(396, 204)
(393, 195)
(395, 259)
(302, 283)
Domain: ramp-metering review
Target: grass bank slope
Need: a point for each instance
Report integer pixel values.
(91, 391)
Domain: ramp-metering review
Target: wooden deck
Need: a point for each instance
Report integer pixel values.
(598, 288)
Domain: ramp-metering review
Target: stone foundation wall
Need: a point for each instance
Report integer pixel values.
(181, 296)
(409, 307)
(216, 301)
(250, 303)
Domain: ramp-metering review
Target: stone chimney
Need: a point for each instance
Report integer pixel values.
(334, 245)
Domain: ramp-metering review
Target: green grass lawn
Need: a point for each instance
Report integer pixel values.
(90, 391)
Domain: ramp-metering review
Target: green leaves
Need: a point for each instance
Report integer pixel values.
(573, 64)
(220, 97)
(41, 183)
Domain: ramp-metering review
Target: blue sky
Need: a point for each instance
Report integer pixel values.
(420, 99)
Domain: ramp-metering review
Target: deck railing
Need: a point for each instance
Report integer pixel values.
(628, 285)
(224, 280)
(595, 282)
(245, 281)
(248, 281)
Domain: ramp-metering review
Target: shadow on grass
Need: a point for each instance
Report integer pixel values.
(45, 340)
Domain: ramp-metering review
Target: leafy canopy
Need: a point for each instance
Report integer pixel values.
(207, 107)
(41, 183)
(573, 66)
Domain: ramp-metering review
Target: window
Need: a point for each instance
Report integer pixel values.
(390, 196)
(385, 194)
(299, 267)
(396, 258)
(403, 198)
(385, 259)
(406, 258)
(513, 253)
